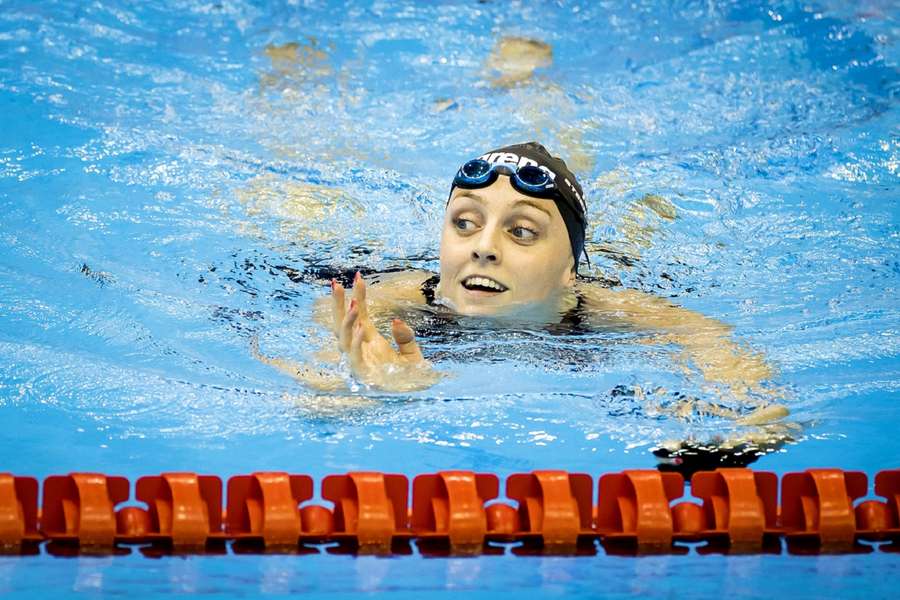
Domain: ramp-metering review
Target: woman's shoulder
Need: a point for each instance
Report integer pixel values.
(596, 290)
(604, 302)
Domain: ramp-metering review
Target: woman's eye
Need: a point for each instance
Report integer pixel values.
(523, 233)
(464, 224)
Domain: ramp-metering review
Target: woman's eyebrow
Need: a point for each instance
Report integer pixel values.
(472, 195)
(481, 200)
(533, 204)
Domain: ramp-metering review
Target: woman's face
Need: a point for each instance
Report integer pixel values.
(501, 249)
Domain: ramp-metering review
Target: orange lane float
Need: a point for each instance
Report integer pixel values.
(264, 508)
(633, 507)
(79, 509)
(449, 508)
(18, 513)
(370, 508)
(881, 520)
(739, 509)
(453, 512)
(555, 507)
(185, 510)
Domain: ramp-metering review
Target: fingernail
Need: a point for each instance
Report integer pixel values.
(397, 322)
(352, 304)
(357, 277)
(333, 282)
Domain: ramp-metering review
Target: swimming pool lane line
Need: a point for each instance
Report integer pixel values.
(454, 513)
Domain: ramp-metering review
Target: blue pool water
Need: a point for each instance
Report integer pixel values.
(169, 171)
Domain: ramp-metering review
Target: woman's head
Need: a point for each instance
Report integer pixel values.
(513, 230)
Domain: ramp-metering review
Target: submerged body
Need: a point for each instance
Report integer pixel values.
(513, 231)
(699, 340)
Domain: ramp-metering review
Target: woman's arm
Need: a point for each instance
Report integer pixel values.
(705, 342)
(319, 379)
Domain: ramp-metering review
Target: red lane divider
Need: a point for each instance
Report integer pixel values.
(185, 509)
(18, 512)
(634, 507)
(264, 507)
(553, 505)
(460, 511)
(739, 506)
(79, 508)
(369, 508)
(817, 506)
(881, 520)
(449, 507)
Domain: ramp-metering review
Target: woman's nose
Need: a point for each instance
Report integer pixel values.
(481, 254)
(486, 249)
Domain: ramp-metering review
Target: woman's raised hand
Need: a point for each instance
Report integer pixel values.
(373, 360)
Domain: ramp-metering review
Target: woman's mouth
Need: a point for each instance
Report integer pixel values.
(481, 285)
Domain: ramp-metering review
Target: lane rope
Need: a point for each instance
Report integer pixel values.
(453, 513)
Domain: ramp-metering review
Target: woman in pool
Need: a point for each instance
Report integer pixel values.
(514, 225)
(512, 237)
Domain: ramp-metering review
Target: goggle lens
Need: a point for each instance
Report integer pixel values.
(476, 169)
(528, 179)
(533, 176)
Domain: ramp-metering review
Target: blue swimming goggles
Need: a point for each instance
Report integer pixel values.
(528, 179)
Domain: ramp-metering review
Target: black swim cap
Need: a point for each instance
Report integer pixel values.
(568, 195)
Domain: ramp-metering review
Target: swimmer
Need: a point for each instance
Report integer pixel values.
(514, 223)
(512, 238)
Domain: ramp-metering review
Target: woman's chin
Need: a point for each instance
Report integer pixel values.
(474, 303)
(545, 310)
(477, 303)
(483, 311)
(469, 308)
(525, 311)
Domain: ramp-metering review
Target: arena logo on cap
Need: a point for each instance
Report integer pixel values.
(513, 159)
(509, 158)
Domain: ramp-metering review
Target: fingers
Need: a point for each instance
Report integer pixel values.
(357, 363)
(359, 294)
(339, 306)
(338, 309)
(406, 341)
(345, 331)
